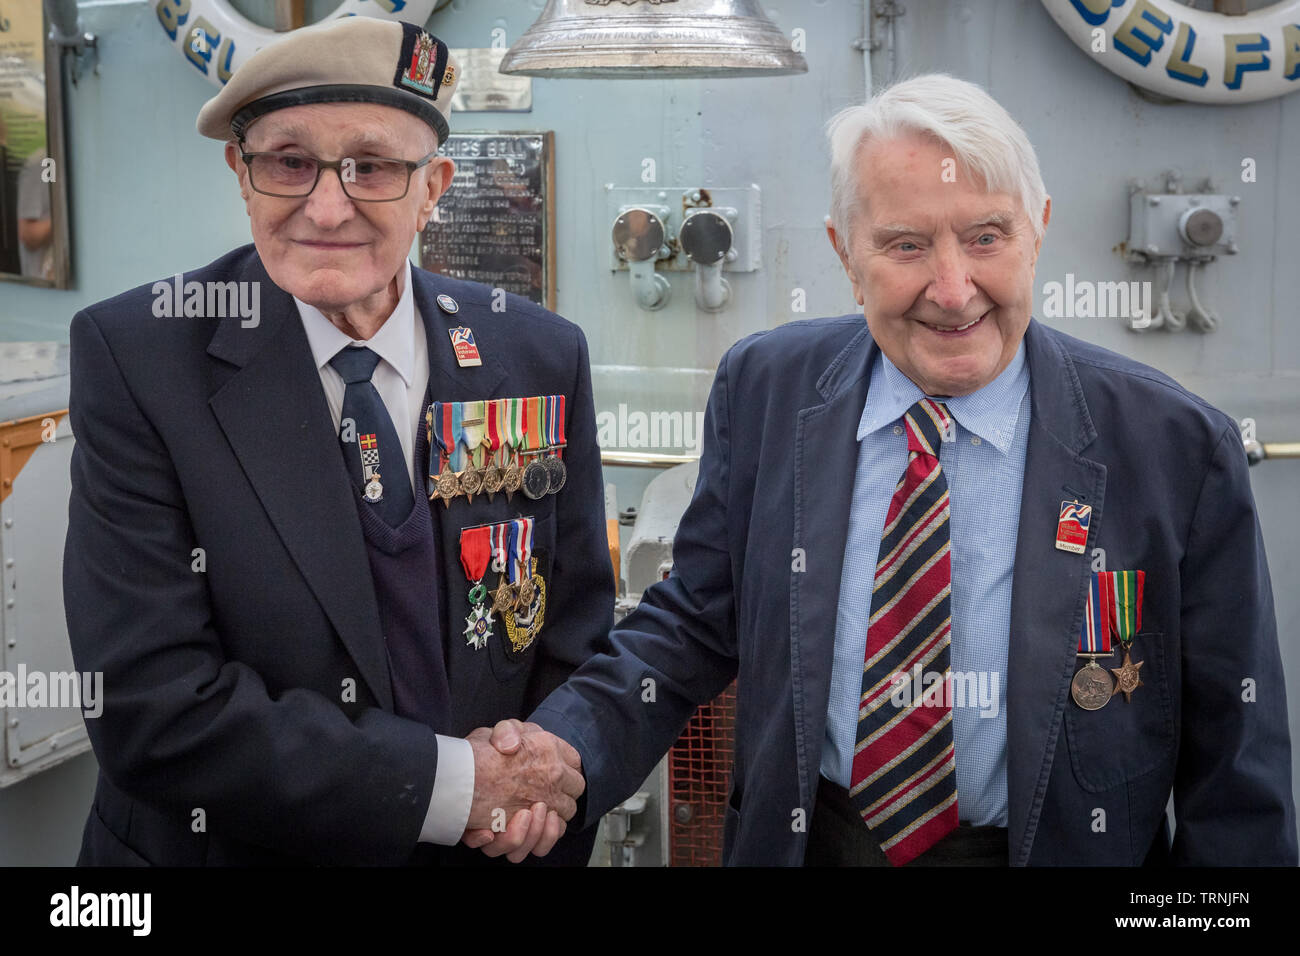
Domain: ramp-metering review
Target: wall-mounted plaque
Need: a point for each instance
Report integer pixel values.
(33, 195)
(496, 222)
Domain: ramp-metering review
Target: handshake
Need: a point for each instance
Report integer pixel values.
(526, 787)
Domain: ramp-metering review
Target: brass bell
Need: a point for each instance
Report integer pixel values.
(653, 39)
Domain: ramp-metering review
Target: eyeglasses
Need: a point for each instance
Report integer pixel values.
(295, 175)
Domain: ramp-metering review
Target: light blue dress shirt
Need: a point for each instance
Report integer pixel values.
(985, 468)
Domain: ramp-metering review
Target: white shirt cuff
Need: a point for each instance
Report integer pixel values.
(453, 793)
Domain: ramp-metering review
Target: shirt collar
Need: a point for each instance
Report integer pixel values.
(990, 412)
(394, 342)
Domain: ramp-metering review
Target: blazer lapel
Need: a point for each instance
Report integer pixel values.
(1048, 586)
(825, 461)
(275, 416)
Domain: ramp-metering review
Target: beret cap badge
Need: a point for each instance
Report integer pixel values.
(422, 62)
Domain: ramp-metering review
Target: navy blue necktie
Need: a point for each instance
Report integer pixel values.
(375, 458)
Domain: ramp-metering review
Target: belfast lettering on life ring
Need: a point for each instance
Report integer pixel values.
(215, 39)
(1190, 54)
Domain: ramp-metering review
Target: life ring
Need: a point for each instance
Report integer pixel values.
(215, 39)
(1189, 54)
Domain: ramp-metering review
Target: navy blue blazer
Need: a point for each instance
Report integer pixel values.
(1167, 481)
(226, 690)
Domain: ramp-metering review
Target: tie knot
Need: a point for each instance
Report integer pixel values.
(355, 364)
(927, 423)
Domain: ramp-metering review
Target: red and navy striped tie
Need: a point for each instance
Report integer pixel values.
(903, 781)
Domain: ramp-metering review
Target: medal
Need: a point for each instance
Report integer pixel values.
(555, 470)
(521, 556)
(446, 482)
(1092, 686)
(536, 480)
(473, 426)
(1125, 596)
(503, 598)
(521, 629)
(1072, 527)
(511, 410)
(475, 549)
(368, 445)
(492, 473)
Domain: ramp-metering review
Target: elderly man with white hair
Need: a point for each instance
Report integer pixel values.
(991, 594)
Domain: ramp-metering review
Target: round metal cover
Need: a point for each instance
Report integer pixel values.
(638, 234)
(706, 237)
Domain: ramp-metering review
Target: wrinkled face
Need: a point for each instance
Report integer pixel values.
(324, 248)
(943, 270)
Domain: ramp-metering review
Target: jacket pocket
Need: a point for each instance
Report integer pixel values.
(1125, 739)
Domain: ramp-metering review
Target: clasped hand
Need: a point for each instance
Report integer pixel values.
(526, 786)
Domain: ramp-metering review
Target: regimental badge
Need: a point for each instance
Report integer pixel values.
(462, 340)
(1072, 527)
(420, 68)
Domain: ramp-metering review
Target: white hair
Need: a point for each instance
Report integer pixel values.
(983, 137)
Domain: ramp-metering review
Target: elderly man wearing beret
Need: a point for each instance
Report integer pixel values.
(330, 513)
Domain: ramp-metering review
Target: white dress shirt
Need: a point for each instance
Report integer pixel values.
(401, 378)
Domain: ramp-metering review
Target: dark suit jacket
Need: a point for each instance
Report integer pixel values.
(1167, 480)
(225, 689)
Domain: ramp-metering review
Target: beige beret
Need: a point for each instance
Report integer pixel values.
(349, 60)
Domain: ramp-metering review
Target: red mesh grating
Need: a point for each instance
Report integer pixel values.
(699, 771)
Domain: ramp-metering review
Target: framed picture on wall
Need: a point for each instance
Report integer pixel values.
(34, 240)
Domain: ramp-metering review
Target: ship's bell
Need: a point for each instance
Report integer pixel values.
(653, 38)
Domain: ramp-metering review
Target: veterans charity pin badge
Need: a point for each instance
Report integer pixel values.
(1072, 526)
(462, 340)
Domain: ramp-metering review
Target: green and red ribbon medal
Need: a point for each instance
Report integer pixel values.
(475, 549)
(1092, 686)
(1125, 599)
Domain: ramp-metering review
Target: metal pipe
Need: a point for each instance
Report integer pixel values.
(1259, 451)
(633, 459)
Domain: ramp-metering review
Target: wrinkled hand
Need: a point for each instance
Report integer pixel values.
(532, 776)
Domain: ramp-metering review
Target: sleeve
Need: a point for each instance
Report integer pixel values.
(624, 708)
(1232, 788)
(183, 727)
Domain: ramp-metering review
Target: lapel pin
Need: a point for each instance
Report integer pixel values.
(448, 304)
(462, 340)
(1072, 526)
